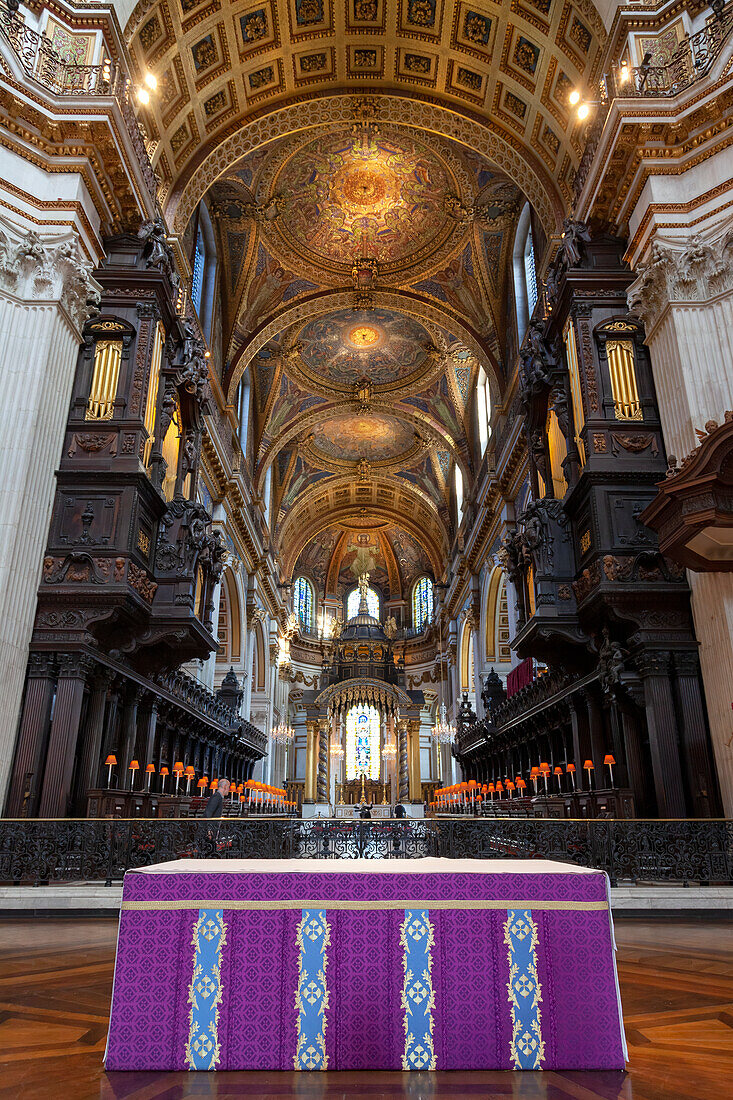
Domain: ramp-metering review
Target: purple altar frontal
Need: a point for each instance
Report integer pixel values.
(415, 964)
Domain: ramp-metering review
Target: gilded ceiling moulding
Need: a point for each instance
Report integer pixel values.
(393, 110)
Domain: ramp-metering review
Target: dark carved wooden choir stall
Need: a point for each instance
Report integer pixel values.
(599, 605)
(132, 562)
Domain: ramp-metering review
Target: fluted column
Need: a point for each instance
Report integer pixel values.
(685, 298)
(404, 772)
(311, 760)
(322, 785)
(43, 305)
(28, 764)
(74, 670)
(414, 757)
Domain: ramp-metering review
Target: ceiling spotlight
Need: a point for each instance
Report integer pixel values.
(574, 98)
(143, 96)
(583, 110)
(151, 81)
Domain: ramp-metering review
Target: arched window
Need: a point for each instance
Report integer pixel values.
(459, 494)
(354, 598)
(422, 603)
(203, 271)
(525, 276)
(483, 409)
(243, 409)
(303, 601)
(362, 742)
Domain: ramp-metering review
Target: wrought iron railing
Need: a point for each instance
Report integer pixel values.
(44, 64)
(691, 61)
(78, 850)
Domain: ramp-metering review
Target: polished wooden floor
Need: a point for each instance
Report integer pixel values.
(676, 982)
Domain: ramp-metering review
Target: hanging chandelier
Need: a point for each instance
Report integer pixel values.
(283, 734)
(337, 749)
(389, 750)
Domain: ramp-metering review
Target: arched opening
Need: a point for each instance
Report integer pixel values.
(243, 401)
(467, 661)
(422, 603)
(354, 598)
(203, 271)
(303, 601)
(483, 409)
(525, 276)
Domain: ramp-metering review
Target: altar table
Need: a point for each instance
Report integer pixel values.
(372, 964)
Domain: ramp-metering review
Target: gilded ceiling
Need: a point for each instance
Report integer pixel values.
(364, 163)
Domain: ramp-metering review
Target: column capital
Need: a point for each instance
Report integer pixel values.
(699, 271)
(40, 664)
(653, 662)
(78, 666)
(45, 267)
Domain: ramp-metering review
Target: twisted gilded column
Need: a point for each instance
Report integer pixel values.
(404, 774)
(322, 783)
(311, 727)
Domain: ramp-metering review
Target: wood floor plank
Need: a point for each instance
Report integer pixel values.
(676, 983)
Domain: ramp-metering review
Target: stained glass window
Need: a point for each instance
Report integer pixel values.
(352, 604)
(197, 276)
(422, 603)
(362, 742)
(529, 273)
(303, 601)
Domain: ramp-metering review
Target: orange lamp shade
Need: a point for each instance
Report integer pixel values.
(499, 786)
(535, 771)
(190, 770)
(213, 785)
(111, 760)
(133, 766)
(588, 766)
(150, 768)
(570, 768)
(164, 771)
(492, 788)
(202, 781)
(545, 768)
(509, 785)
(521, 785)
(472, 783)
(609, 760)
(178, 767)
(558, 770)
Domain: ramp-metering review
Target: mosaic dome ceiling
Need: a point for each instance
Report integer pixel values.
(376, 437)
(379, 345)
(350, 195)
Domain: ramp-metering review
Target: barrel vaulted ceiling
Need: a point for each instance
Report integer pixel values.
(364, 164)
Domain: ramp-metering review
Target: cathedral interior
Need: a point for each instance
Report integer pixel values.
(366, 421)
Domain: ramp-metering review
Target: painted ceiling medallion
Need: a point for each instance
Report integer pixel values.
(349, 198)
(342, 348)
(377, 437)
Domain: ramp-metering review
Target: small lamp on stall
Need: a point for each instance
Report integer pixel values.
(558, 773)
(499, 789)
(588, 767)
(178, 772)
(521, 786)
(190, 772)
(164, 773)
(134, 766)
(545, 770)
(534, 775)
(571, 772)
(510, 787)
(492, 788)
(149, 773)
(110, 763)
(609, 761)
(202, 784)
(214, 784)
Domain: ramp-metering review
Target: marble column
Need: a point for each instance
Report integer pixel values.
(44, 291)
(684, 295)
(414, 757)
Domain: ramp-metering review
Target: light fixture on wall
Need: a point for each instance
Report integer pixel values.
(142, 91)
